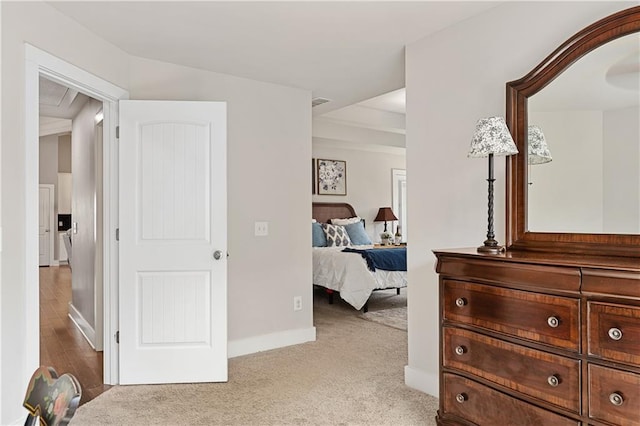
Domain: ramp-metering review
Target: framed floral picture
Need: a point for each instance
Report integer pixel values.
(332, 177)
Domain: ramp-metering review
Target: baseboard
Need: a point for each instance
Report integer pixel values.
(270, 341)
(85, 328)
(422, 381)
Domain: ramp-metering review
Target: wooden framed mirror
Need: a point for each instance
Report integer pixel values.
(553, 235)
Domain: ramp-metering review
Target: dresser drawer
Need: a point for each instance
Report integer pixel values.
(614, 395)
(547, 377)
(538, 317)
(614, 332)
(482, 405)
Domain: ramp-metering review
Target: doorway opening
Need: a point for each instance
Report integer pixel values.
(41, 64)
(71, 199)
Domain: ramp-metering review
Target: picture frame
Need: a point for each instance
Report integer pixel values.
(313, 176)
(331, 176)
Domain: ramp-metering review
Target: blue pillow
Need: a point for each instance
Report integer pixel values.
(357, 234)
(319, 239)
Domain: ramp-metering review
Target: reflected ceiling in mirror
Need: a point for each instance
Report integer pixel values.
(590, 117)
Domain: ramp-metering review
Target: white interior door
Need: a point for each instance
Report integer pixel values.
(173, 242)
(45, 226)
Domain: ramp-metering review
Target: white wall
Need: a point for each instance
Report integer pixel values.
(269, 147)
(64, 153)
(566, 195)
(42, 26)
(83, 213)
(369, 182)
(453, 78)
(48, 167)
(622, 171)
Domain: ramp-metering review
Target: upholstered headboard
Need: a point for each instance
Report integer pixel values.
(322, 212)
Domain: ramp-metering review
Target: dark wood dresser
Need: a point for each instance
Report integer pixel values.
(538, 339)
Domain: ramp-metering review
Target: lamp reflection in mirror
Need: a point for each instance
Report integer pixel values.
(491, 138)
(538, 149)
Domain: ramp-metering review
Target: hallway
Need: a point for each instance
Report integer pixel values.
(62, 346)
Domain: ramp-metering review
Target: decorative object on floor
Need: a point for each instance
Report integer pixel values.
(385, 214)
(332, 177)
(491, 138)
(538, 149)
(51, 400)
(392, 317)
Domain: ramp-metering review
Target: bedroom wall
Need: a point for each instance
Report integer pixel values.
(48, 160)
(453, 78)
(622, 170)
(64, 154)
(84, 152)
(269, 144)
(369, 182)
(269, 147)
(41, 25)
(576, 205)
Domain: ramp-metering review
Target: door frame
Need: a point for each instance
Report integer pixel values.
(52, 240)
(39, 62)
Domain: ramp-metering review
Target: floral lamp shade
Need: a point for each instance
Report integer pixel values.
(492, 137)
(538, 149)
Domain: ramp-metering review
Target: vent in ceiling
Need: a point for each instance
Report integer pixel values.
(318, 101)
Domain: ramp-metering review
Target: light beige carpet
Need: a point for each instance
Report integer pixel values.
(392, 317)
(352, 375)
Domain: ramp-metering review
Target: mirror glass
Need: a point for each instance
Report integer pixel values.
(590, 118)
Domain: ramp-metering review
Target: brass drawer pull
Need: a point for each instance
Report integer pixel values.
(461, 397)
(460, 350)
(460, 302)
(616, 399)
(615, 333)
(553, 322)
(553, 380)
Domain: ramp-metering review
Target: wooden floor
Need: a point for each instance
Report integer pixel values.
(62, 346)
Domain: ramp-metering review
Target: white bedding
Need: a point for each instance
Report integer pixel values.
(348, 274)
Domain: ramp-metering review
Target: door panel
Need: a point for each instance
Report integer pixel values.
(45, 233)
(173, 306)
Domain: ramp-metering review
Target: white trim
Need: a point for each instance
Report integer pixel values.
(399, 176)
(83, 325)
(38, 62)
(422, 381)
(271, 341)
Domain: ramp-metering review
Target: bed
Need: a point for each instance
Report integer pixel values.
(348, 273)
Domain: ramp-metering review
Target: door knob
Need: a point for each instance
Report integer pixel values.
(217, 255)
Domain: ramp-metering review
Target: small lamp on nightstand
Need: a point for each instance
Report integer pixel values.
(385, 214)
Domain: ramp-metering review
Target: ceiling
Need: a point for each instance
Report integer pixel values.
(59, 101)
(347, 52)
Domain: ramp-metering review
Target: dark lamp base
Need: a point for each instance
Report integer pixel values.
(491, 246)
(490, 250)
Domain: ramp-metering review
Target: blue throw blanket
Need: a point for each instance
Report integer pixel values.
(391, 259)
